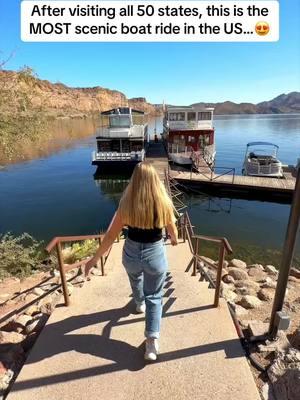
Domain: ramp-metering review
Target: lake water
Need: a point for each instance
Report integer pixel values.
(58, 195)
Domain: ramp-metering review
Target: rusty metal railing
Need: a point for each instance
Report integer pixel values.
(224, 248)
(186, 231)
(63, 268)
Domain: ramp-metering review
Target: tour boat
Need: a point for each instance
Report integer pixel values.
(261, 160)
(121, 139)
(189, 134)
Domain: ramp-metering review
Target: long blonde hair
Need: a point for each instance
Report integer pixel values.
(145, 203)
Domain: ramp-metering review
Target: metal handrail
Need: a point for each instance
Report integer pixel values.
(210, 176)
(186, 230)
(63, 268)
(193, 240)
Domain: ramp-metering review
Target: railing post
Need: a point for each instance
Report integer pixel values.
(184, 227)
(195, 256)
(219, 274)
(62, 274)
(101, 260)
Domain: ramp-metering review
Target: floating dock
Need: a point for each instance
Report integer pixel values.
(224, 182)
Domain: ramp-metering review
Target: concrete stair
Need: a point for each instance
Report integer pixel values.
(94, 348)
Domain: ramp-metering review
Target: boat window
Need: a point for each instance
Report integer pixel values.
(119, 121)
(191, 116)
(204, 116)
(180, 116)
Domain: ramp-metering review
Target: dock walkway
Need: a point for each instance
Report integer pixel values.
(94, 348)
(237, 185)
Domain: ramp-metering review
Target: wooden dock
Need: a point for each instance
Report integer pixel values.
(223, 181)
(156, 155)
(237, 185)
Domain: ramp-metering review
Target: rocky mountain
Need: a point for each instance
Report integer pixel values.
(59, 100)
(285, 103)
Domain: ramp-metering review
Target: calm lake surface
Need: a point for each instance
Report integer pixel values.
(58, 195)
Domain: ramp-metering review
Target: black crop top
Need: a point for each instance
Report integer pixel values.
(144, 235)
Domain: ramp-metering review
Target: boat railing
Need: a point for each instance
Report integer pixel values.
(186, 232)
(116, 156)
(192, 125)
(57, 244)
(257, 168)
(137, 131)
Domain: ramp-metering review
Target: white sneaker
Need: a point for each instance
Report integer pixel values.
(151, 349)
(141, 308)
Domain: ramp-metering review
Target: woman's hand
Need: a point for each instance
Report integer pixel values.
(174, 241)
(88, 266)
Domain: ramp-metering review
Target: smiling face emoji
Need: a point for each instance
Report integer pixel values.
(262, 28)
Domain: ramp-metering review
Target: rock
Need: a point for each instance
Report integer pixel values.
(96, 271)
(5, 380)
(240, 311)
(48, 286)
(295, 339)
(31, 297)
(10, 337)
(258, 328)
(270, 269)
(227, 293)
(257, 266)
(284, 374)
(38, 291)
(256, 273)
(20, 322)
(245, 290)
(37, 324)
(70, 288)
(31, 310)
(55, 273)
(207, 260)
(295, 272)
(279, 345)
(47, 308)
(267, 392)
(225, 264)
(268, 283)
(247, 284)
(228, 278)
(266, 294)
(293, 279)
(238, 274)
(237, 263)
(78, 279)
(250, 302)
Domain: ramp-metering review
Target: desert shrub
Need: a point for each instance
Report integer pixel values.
(80, 250)
(20, 255)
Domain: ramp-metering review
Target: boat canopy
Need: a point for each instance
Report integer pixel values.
(122, 110)
(262, 144)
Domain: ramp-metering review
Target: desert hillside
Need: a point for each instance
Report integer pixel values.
(282, 104)
(57, 99)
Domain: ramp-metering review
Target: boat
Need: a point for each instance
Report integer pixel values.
(261, 160)
(189, 134)
(121, 138)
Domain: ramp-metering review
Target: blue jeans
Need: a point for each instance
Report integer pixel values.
(146, 266)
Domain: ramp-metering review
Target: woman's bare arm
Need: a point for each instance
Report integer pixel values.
(111, 234)
(172, 231)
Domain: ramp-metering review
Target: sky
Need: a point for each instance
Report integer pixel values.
(178, 73)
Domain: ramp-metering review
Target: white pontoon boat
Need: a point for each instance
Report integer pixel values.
(261, 160)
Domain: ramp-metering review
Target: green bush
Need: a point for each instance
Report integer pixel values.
(80, 250)
(20, 255)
